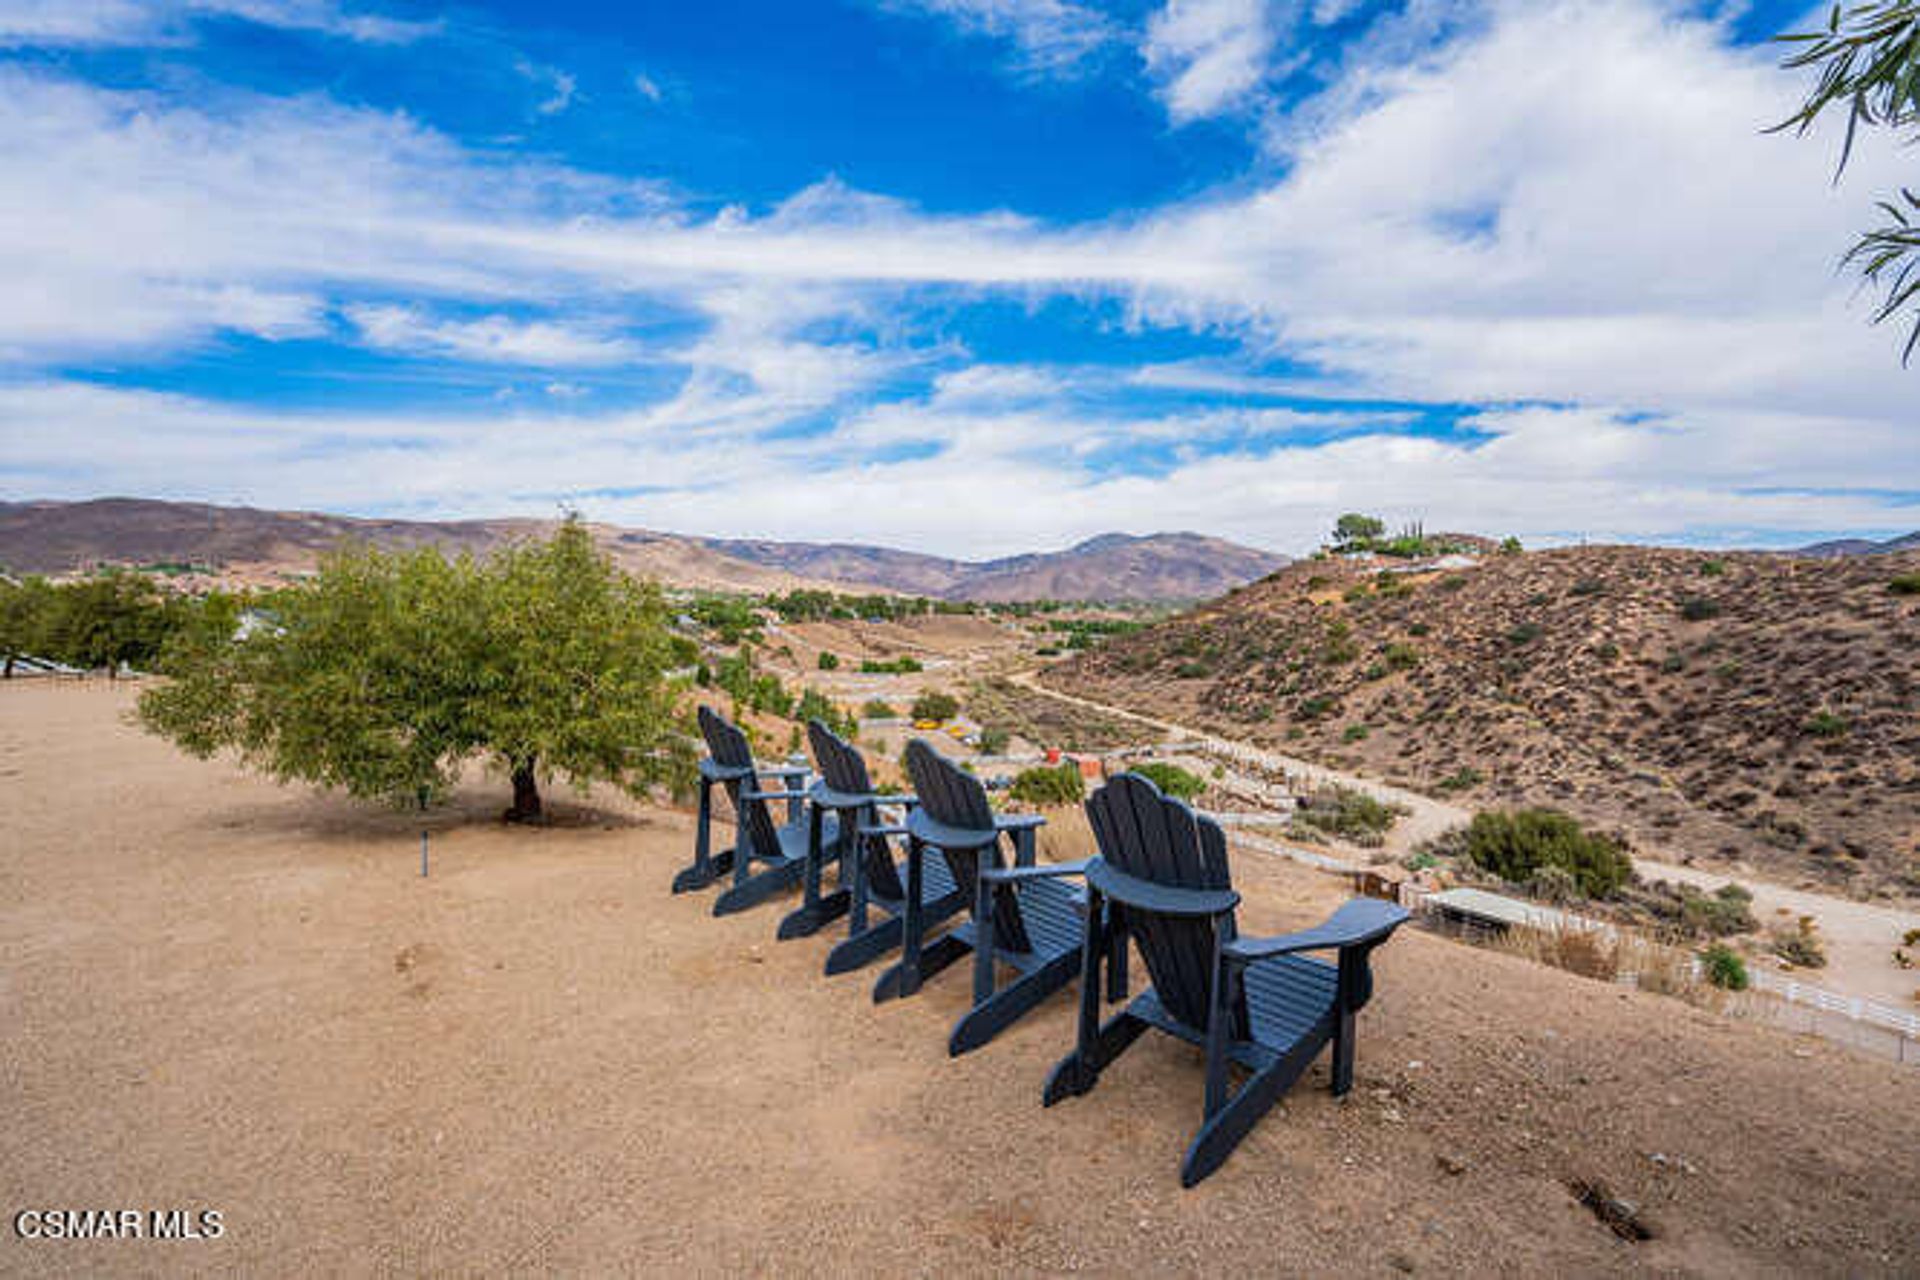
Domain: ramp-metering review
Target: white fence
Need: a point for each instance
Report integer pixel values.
(1866, 1025)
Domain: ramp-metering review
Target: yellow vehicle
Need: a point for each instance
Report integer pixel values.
(926, 724)
(955, 731)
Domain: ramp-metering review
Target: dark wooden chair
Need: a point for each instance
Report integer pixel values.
(1162, 879)
(778, 850)
(1024, 916)
(844, 791)
(875, 883)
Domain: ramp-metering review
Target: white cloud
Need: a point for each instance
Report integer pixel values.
(1208, 55)
(60, 23)
(1465, 229)
(1050, 35)
(647, 87)
(493, 339)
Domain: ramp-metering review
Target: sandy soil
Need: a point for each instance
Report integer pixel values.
(220, 993)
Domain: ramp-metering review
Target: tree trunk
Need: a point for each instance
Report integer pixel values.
(526, 793)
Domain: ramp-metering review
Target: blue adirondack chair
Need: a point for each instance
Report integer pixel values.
(1260, 1002)
(777, 850)
(1024, 916)
(871, 882)
(844, 791)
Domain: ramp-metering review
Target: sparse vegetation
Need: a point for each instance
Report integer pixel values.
(1049, 785)
(1349, 814)
(935, 705)
(1516, 844)
(1907, 584)
(875, 709)
(900, 666)
(1699, 608)
(1826, 724)
(1799, 944)
(1724, 967)
(1461, 780)
(828, 661)
(1182, 784)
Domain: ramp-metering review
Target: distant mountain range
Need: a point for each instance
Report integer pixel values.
(246, 544)
(1859, 547)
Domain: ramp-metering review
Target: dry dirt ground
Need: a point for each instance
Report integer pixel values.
(223, 994)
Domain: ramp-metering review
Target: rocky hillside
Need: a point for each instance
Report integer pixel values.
(246, 544)
(1113, 567)
(1741, 707)
(58, 537)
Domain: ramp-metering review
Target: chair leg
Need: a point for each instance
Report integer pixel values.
(751, 892)
(906, 977)
(1080, 1070)
(1115, 931)
(1004, 1007)
(1225, 1128)
(864, 946)
(706, 868)
(815, 910)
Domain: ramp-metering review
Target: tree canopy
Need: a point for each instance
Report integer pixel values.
(386, 672)
(1868, 64)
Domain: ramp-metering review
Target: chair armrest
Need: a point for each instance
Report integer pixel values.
(882, 829)
(784, 770)
(1011, 875)
(1363, 922)
(714, 771)
(773, 795)
(908, 801)
(1158, 899)
(1018, 821)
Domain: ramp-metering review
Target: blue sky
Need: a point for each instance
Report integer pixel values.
(969, 276)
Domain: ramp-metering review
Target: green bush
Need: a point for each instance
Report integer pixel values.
(1713, 568)
(1347, 813)
(1179, 783)
(814, 705)
(878, 710)
(1825, 724)
(1049, 785)
(993, 742)
(1355, 733)
(1524, 634)
(1510, 546)
(1463, 780)
(1516, 844)
(934, 705)
(1401, 656)
(1588, 587)
(828, 661)
(900, 666)
(1907, 584)
(1724, 967)
(1699, 608)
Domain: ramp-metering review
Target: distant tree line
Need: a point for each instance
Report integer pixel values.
(104, 620)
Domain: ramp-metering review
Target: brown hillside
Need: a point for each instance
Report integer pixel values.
(1739, 707)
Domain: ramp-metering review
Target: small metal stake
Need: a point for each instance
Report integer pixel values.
(423, 854)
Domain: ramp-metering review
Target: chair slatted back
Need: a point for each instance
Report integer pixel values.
(1153, 837)
(844, 769)
(728, 746)
(953, 797)
(840, 763)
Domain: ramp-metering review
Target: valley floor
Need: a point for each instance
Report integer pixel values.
(220, 993)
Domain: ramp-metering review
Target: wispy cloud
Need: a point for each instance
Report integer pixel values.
(492, 339)
(56, 23)
(1208, 55)
(1047, 35)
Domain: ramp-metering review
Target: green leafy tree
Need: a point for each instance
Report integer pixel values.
(26, 609)
(1867, 62)
(385, 673)
(1356, 530)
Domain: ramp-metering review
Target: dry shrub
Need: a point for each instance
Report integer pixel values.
(1066, 837)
